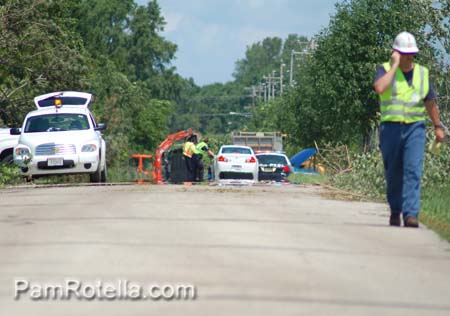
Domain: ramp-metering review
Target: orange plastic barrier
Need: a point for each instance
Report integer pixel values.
(140, 168)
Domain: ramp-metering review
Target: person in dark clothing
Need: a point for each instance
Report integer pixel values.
(188, 152)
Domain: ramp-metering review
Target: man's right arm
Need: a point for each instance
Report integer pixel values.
(383, 83)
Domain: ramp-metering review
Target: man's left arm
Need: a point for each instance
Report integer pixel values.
(433, 113)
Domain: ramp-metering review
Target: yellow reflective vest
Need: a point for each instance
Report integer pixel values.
(200, 146)
(404, 103)
(188, 149)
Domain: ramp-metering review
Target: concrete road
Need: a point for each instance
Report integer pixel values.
(262, 250)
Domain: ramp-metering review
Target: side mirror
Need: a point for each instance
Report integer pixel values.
(15, 131)
(100, 127)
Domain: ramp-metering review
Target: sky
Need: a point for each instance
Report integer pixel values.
(212, 35)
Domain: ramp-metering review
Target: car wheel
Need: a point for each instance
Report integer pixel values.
(100, 174)
(103, 174)
(96, 176)
(8, 158)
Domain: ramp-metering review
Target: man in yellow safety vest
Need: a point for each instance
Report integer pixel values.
(405, 92)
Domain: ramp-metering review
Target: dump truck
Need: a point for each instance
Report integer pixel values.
(259, 141)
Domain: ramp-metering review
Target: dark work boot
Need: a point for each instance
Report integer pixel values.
(411, 221)
(394, 220)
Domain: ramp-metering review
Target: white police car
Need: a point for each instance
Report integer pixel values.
(61, 137)
(234, 162)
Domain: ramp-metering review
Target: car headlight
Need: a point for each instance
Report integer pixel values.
(23, 155)
(22, 151)
(88, 148)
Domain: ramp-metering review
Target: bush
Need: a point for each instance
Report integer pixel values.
(9, 174)
(366, 175)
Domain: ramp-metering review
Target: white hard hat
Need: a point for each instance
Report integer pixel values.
(405, 43)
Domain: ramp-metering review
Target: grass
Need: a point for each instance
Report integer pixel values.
(10, 175)
(125, 173)
(299, 177)
(436, 209)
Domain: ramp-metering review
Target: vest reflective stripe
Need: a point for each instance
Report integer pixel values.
(402, 109)
(422, 82)
(399, 103)
(188, 149)
(404, 103)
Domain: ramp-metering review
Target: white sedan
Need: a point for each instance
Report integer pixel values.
(235, 162)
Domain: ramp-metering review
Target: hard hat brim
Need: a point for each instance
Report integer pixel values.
(410, 51)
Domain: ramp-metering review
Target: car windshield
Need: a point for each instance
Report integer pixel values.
(236, 150)
(272, 159)
(56, 122)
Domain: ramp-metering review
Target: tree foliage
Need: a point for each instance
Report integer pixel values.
(263, 57)
(212, 109)
(38, 53)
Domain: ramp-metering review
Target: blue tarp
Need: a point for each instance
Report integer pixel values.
(299, 158)
(305, 171)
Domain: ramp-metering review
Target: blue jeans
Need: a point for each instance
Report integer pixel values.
(402, 147)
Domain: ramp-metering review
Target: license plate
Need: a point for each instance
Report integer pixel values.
(55, 162)
(269, 169)
(236, 167)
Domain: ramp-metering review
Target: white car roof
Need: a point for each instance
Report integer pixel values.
(68, 99)
(235, 146)
(271, 154)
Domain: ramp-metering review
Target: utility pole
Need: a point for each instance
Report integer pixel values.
(281, 78)
(265, 91)
(311, 46)
(273, 85)
(259, 91)
(292, 69)
(293, 52)
(253, 97)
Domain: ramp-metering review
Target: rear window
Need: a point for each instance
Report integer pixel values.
(272, 159)
(56, 123)
(236, 150)
(64, 100)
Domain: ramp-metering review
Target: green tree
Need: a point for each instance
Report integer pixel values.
(148, 52)
(260, 59)
(38, 53)
(103, 25)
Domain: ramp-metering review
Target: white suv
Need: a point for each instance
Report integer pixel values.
(61, 137)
